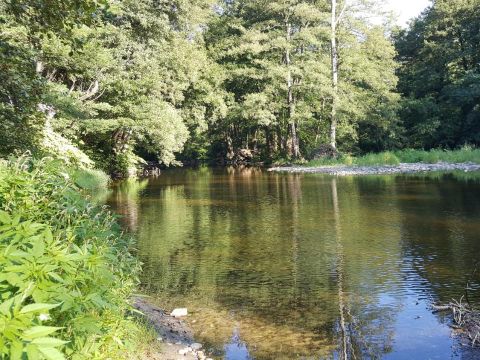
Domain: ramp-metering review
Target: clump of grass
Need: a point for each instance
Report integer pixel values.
(384, 158)
(90, 179)
(463, 155)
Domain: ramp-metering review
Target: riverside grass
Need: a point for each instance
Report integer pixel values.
(464, 155)
(66, 272)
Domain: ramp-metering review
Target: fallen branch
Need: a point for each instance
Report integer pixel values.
(465, 318)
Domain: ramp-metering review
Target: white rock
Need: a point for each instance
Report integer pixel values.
(159, 339)
(196, 346)
(201, 355)
(179, 312)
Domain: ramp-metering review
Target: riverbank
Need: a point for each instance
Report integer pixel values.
(174, 336)
(67, 271)
(356, 170)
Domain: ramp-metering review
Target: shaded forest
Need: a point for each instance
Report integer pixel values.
(120, 85)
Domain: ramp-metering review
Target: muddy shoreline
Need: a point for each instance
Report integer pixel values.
(344, 170)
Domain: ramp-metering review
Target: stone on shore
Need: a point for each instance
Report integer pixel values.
(180, 312)
(196, 346)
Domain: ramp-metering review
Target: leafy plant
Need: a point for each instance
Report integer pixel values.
(66, 273)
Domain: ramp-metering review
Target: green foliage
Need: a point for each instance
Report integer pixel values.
(66, 271)
(21, 89)
(440, 75)
(463, 155)
(261, 45)
(140, 80)
(90, 179)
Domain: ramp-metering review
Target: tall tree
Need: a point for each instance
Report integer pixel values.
(440, 75)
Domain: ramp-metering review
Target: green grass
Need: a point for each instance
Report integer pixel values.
(466, 154)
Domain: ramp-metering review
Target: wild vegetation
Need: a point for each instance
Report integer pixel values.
(105, 88)
(66, 272)
(116, 84)
(463, 155)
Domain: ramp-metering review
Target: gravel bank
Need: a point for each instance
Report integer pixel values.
(343, 170)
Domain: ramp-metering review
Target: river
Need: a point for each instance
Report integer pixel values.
(286, 266)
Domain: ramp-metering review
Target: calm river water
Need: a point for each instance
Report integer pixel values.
(285, 266)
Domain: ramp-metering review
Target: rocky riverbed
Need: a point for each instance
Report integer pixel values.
(344, 170)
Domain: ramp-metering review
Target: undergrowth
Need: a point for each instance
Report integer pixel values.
(66, 272)
(466, 154)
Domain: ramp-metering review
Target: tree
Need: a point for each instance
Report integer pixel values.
(439, 76)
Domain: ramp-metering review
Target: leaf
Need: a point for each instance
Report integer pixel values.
(49, 342)
(51, 353)
(32, 352)
(38, 247)
(16, 350)
(39, 331)
(5, 218)
(37, 307)
(6, 306)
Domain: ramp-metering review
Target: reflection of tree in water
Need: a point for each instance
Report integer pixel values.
(125, 200)
(440, 227)
(364, 327)
(257, 246)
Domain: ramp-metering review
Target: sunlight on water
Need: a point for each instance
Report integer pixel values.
(282, 266)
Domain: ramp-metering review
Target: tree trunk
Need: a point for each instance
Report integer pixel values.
(334, 60)
(230, 149)
(294, 148)
(120, 138)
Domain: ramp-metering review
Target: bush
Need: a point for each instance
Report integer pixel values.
(66, 274)
(90, 179)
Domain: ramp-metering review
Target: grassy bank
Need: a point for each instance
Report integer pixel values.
(66, 272)
(403, 156)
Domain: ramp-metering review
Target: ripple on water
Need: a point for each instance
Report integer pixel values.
(275, 266)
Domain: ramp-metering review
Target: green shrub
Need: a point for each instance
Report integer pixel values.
(66, 274)
(90, 179)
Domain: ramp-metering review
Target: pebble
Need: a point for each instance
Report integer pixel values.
(196, 346)
(179, 312)
(201, 355)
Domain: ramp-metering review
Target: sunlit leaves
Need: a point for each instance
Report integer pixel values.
(61, 262)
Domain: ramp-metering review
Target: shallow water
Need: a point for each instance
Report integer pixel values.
(285, 266)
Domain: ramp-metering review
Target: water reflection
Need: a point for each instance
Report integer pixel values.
(306, 265)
